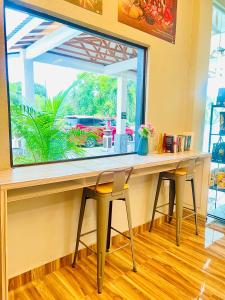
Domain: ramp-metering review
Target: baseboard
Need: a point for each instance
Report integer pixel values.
(40, 272)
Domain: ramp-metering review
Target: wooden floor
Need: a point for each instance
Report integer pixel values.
(195, 270)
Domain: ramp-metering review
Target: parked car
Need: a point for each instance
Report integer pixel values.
(95, 126)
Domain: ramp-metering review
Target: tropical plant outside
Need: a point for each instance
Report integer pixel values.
(96, 95)
(44, 138)
(42, 128)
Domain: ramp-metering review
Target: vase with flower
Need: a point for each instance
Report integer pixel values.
(145, 131)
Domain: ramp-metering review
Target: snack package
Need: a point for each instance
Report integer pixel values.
(221, 180)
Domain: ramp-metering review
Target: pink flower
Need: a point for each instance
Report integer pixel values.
(146, 129)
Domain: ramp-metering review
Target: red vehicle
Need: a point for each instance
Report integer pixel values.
(95, 126)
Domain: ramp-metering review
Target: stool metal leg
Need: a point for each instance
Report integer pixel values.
(156, 201)
(109, 227)
(81, 217)
(179, 184)
(102, 223)
(172, 193)
(195, 206)
(127, 202)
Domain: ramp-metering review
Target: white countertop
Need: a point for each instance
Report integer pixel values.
(59, 172)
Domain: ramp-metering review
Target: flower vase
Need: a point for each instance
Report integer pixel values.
(142, 146)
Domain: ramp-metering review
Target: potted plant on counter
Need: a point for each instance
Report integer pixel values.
(145, 131)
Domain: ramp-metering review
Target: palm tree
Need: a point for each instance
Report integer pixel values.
(42, 131)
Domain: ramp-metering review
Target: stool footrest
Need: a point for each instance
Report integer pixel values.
(188, 216)
(89, 232)
(120, 233)
(119, 248)
(92, 231)
(191, 209)
(87, 247)
(163, 213)
(162, 205)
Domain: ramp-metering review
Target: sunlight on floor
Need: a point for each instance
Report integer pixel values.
(211, 236)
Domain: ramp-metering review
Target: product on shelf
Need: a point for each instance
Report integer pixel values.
(222, 123)
(177, 143)
(170, 143)
(218, 152)
(221, 97)
(220, 180)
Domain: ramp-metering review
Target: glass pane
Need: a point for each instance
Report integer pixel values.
(15, 19)
(73, 94)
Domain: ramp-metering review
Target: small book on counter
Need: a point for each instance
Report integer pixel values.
(177, 143)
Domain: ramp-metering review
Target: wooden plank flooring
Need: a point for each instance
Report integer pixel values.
(195, 270)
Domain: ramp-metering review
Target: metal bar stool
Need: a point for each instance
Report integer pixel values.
(177, 179)
(105, 194)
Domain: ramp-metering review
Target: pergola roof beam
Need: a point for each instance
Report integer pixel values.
(23, 31)
(65, 61)
(51, 41)
(119, 67)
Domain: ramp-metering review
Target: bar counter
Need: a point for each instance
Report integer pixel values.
(36, 181)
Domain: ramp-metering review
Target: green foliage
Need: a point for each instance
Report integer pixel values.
(96, 95)
(15, 92)
(91, 94)
(45, 140)
(131, 102)
(42, 128)
(40, 90)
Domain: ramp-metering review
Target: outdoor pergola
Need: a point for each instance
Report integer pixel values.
(38, 40)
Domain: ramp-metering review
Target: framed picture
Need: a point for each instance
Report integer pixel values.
(92, 5)
(156, 17)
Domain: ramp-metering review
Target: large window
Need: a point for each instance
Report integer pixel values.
(73, 93)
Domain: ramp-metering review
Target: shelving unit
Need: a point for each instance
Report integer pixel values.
(213, 108)
(218, 211)
(215, 188)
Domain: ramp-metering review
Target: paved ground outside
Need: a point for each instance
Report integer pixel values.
(100, 151)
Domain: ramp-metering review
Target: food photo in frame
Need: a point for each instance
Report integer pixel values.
(156, 17)
(92, 5)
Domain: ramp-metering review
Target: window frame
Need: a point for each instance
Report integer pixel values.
(141, 78)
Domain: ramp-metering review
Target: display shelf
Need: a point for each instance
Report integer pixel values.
(216, 189)
(218, 106)
(215, 136)
(213, 107)
(218, 162)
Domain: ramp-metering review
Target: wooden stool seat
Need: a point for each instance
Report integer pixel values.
(106, 188)
(181, 171)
